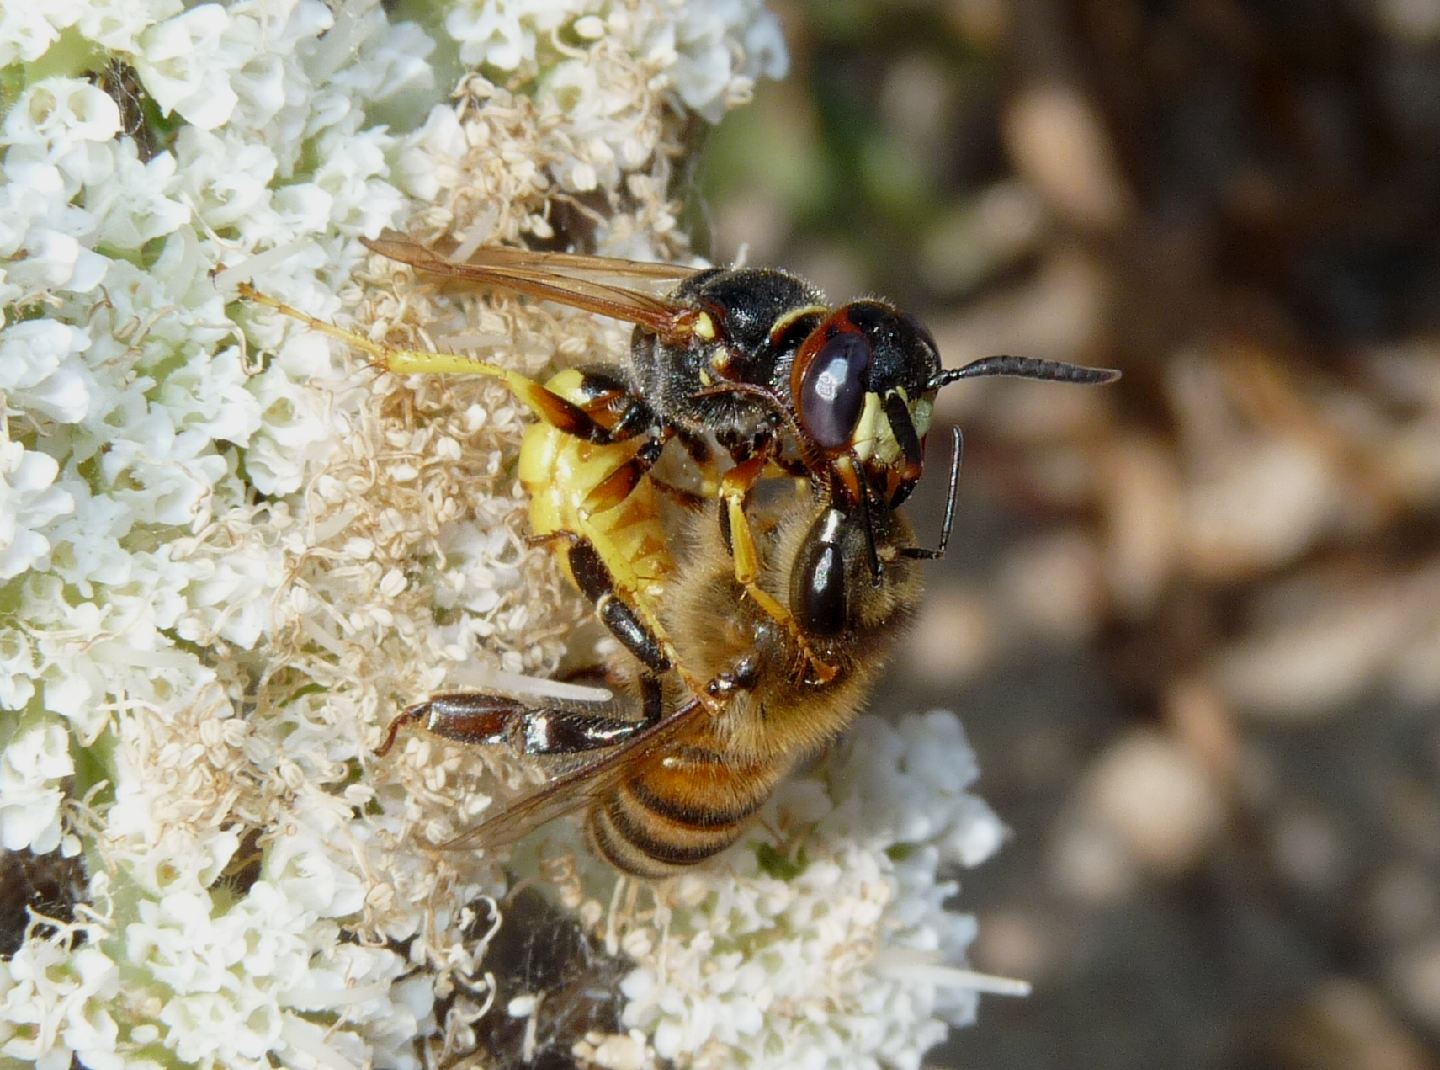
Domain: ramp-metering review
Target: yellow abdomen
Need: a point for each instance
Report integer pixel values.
(558, 470)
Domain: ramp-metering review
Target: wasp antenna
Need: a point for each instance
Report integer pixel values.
(921, 552)
(1026, 368)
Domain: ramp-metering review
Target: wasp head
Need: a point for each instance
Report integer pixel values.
(864, 384)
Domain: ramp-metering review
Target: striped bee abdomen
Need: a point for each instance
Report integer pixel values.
(682, 810)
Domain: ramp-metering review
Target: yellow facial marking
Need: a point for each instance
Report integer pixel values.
(887, 449)
(867, 427)
(920, 415)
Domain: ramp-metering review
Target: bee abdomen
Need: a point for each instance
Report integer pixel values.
(679, 813)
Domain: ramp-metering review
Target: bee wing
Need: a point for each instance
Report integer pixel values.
(565, 278)
(573, 790)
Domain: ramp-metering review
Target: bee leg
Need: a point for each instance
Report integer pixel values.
(543, 402)
(615, 606)
(556, 730)
(597, 672)
(466, 717)
(735, 489)
(620, 610)
(699, 449)
(743, 675)
(480, 717)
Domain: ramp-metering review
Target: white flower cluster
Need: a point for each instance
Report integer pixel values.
(831, 945)
(143, 146)
(226, 554)
(710, 54)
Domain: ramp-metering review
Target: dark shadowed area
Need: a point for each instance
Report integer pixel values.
(1191, 621)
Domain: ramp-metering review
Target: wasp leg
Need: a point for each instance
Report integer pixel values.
(616, 487)
(543, 402)
(735, 488)
(481, 717)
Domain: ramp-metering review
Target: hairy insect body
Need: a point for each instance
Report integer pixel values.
(752, 358)
(757, 319)
(695, 797)
(761, 637)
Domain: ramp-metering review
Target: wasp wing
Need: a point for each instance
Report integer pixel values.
(578, 265)
(565, 278)
(573, 790)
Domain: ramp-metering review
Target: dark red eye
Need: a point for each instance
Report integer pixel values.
(832, 389)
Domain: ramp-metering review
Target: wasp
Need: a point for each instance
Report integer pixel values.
(752, 359)
(608, 539)
(677, 780)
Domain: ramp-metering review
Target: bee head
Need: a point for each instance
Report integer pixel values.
(832, 589)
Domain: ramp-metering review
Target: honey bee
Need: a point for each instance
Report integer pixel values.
(750, 662)
(678, 782)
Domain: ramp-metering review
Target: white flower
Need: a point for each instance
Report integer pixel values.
(227, 550)
(503, 33)
(28, 503)
(40, 369)
(186, 65)
(25, 33)
(58, 113)
(843, 954)
(54, 1002)
(32, 765)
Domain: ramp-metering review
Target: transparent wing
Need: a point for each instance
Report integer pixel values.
(565, 278)
(573, 790)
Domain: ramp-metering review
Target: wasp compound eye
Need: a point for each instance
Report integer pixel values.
(832, 389)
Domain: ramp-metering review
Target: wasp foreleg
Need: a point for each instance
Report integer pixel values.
(735, 488)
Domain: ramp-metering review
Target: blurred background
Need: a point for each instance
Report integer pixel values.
(1192, 620)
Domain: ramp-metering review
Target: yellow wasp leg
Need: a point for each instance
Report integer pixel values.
(545, 404)
(734, 489)
(622, 480)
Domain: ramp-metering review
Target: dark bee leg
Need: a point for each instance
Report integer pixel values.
(481, 717)
(613, 605)
(598, 673)
(699, 449)
(686, 499)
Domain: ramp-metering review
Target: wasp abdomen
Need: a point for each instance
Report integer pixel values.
(558, 469)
